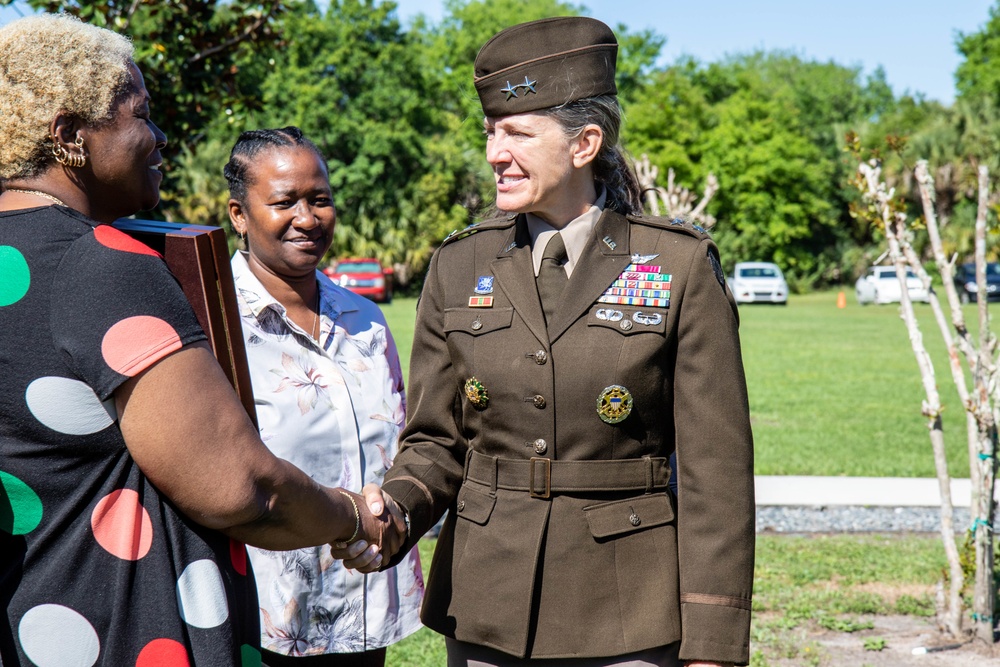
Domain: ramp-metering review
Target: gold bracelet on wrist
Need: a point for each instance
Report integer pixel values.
(357, 518)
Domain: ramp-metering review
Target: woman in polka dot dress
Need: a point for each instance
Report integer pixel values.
(130, 477)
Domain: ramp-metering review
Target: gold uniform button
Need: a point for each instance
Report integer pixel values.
(541, 357)
(634, 519)
(538, 401)
(461, 505)
(625, 325)
(541, 446)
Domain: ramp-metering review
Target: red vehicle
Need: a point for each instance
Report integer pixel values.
(365, 276)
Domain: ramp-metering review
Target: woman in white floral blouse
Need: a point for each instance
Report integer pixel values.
(329, 394)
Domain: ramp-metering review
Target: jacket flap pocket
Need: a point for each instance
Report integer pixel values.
(628, 320)
(475, 505)
(477, 321)
(629, 515)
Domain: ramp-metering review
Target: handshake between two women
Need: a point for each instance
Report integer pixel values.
(380, 531)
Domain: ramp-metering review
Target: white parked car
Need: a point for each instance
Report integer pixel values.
(880, 285)
(758, 282)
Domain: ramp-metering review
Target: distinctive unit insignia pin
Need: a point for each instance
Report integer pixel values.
(477, 394)
(614, 404)
(484, 285)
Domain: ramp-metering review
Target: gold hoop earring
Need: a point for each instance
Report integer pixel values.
(60, 153)
(65, 158)
(81, 158)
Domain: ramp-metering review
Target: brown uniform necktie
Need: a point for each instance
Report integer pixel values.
(552, 276)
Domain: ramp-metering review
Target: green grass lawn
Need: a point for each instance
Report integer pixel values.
(801, 584)
(832, 391)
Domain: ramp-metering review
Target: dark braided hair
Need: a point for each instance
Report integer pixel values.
(239, 170)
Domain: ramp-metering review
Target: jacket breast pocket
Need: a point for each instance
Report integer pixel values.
(621, 517)
(628, 321)
(477, 321)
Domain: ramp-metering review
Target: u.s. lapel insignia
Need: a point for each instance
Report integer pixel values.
(476, 393)
(614, 404)
(608, 241)
(484, 285)
(480, 302)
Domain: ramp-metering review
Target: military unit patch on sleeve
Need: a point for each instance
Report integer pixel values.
(717, 268)
(639, 285)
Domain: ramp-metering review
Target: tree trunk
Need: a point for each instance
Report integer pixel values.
(893, 223)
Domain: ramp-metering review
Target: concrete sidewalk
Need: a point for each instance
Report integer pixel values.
(859, 491)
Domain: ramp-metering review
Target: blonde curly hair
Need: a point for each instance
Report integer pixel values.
(51, 63)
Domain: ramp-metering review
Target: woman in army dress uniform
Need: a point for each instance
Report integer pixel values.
(562, 353)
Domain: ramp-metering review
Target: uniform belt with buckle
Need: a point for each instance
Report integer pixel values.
(542, 477)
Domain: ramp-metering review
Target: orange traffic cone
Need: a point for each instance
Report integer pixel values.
(841, 300)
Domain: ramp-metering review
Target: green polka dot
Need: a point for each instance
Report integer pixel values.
(249, 656)
(14, 275)
(20, 506)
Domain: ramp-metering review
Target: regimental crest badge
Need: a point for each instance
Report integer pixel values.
(484, 285)
(476, 393)
(614, 404)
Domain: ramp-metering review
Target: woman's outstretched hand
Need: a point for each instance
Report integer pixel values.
(382, 531)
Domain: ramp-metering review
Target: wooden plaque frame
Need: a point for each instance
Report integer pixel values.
(198, 256)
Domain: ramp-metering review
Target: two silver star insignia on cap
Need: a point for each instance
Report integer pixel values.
(511, 91)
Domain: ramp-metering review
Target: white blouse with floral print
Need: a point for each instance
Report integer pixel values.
(334, 409)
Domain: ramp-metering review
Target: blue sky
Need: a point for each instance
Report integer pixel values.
(914, 40)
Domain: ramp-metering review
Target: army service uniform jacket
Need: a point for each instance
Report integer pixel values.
(563, 539)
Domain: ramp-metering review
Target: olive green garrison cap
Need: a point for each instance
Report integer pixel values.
(545, 63)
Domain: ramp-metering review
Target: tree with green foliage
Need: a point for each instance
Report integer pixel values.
(191, 53)
(352, 80)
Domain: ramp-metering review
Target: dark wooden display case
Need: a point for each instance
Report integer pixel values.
(198, 256)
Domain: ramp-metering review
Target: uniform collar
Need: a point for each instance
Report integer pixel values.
(576, 234)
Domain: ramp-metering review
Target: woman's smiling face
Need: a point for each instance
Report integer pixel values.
(532, 160)
(288, 215)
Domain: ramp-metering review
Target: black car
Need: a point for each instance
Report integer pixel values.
(965, 282)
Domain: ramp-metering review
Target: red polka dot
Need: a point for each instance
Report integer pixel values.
(134, 344)
(163, 653)
(109, 237)
(238, 554)
(121, 525)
